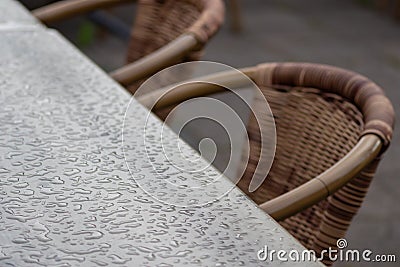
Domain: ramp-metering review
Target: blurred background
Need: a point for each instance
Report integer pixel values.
(362, 35)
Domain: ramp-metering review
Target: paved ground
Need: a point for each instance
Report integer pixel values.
(335, 32)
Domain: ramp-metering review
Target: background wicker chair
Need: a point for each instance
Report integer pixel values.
(164, 32)
(332, 127)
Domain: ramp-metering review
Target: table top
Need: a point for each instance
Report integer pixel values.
(12, 12)
(68, 192)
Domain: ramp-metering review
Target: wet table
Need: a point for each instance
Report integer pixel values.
(12, 13)
(70, 191)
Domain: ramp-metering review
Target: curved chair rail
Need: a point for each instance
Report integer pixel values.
(162, 58)
(66, 9)
(192, 39)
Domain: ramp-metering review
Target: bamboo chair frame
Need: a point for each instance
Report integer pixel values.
(192, 40)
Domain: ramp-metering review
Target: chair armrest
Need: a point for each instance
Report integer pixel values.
(150, 64)
(327, 183)
(68, 8)
(196, 87)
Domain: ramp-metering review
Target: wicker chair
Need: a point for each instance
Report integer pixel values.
(165, 32)
(332, 127)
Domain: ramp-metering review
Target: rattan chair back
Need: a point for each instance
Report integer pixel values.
(157, 23)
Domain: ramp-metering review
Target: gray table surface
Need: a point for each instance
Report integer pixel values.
(12, 12)
(67, 197)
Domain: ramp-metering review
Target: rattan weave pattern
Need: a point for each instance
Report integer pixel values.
(159, 22)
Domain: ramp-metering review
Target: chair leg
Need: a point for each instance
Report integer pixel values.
(236, 16)
(382, 5)
(397, 9)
